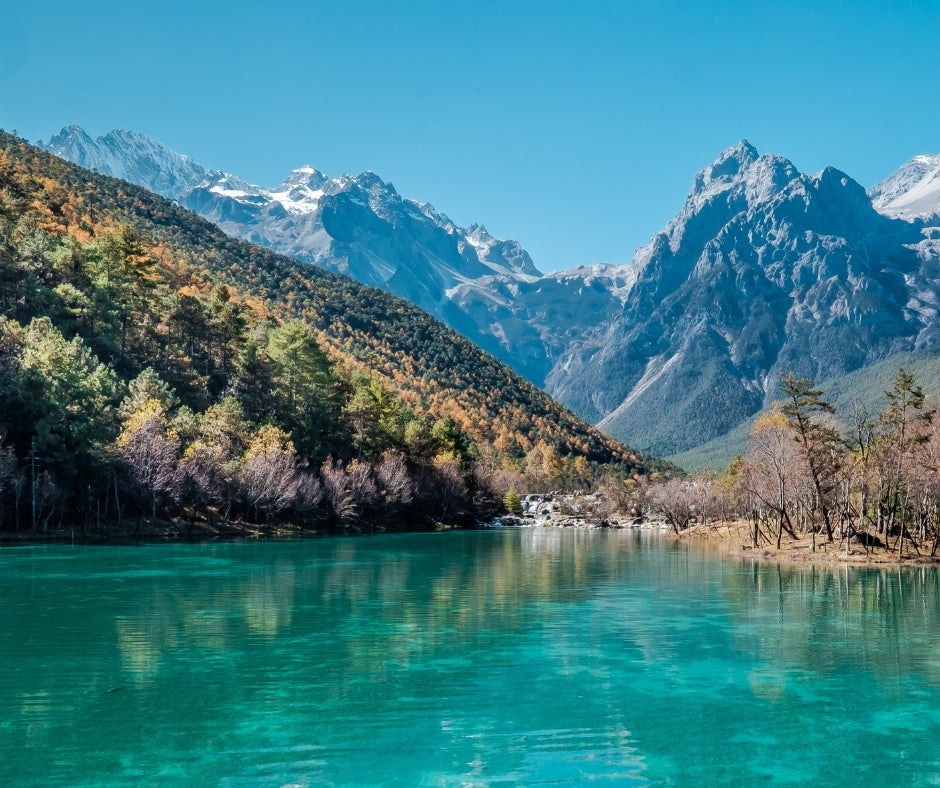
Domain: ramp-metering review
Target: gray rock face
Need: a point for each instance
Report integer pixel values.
(133, 157)
(764, 271)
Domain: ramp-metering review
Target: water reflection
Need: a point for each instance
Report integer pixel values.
(881, 621)
(523, 657)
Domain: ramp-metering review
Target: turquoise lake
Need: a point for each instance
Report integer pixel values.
(504, 657)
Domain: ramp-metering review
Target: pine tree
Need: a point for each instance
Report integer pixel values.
(821, 444)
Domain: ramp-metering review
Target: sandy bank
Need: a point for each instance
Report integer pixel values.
(734, 538)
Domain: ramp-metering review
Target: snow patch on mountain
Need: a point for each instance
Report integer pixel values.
(912, 192)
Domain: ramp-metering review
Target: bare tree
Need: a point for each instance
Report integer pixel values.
(8, 474)
(902, 425)
(771, 472)
(349, 490)
(449, 489)
(310, 494)
(149, 456)
(674, 501)
(203, 482)
(394, 480)
(268, 480)
(820, 443)
(503, 480)
(48, 496)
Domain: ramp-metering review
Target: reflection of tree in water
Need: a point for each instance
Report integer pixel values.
(838, 618)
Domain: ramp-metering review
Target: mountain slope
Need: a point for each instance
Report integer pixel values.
(354, 225)
(865, 387)
(434, 370)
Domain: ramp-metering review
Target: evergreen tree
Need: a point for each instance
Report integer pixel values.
(821, 444)
(512, 502)
(307, 389)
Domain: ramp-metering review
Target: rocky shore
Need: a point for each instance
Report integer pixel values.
(576, 510)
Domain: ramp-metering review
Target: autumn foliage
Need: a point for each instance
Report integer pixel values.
(153, 368)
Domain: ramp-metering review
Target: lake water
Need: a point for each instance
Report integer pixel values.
(509, 657)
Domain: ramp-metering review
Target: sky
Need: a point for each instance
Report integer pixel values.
(575, 128)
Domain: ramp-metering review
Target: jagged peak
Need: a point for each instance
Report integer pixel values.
(743, 152)
(73, 130)
(367, 179)
(118, 137)
(834, 179)
(734, 159)
(757, 177)
(121, 132)
(832, 174)
(67, 134)
(727, 167)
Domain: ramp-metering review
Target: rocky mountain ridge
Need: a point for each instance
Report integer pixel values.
(764, 270)
(133, 157)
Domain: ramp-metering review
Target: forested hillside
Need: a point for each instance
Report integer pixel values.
(151, 366)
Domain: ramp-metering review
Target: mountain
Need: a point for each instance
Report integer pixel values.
(486, 288)
(132, 157)
(913, 191)
(355, 225)
(434, 371)
(764, 271)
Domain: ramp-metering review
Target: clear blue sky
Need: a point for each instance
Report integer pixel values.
(573, 127)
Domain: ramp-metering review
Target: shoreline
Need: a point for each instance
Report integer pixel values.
(731, 538)
(159, 532)
(168, 532)
(734, 539)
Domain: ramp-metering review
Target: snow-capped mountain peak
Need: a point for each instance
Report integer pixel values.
(913, 191)
(132, 156)
(306, 177)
